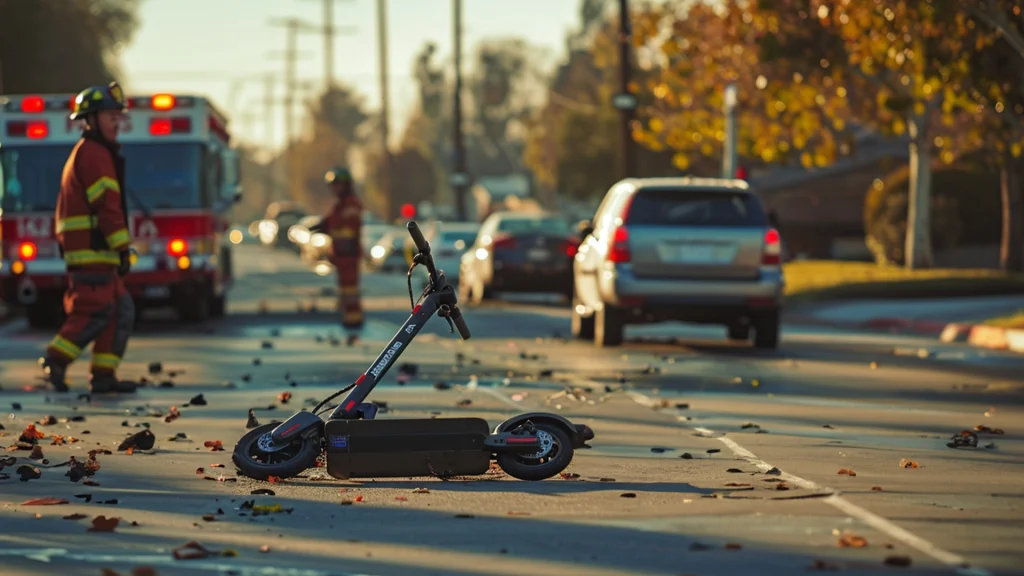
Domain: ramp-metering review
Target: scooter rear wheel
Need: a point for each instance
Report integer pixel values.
(554, 456)
(256, 457)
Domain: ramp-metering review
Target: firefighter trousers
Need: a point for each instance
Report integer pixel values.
(100, 310)
(350, 304)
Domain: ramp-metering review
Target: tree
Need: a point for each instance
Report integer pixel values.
(909, 55)
(782, 114)
(53, 46)
(998, 84)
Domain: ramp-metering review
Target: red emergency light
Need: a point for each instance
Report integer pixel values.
(177, 247)
(167, 126)
(408, 211)
(27, 251)
(33, 104)
(37, 130)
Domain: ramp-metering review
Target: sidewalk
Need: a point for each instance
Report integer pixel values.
(950, 320)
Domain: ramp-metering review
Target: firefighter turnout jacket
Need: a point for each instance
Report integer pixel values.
(344, 225)
(91, 219)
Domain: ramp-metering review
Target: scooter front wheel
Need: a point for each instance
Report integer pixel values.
(257, 457)
(553, 457)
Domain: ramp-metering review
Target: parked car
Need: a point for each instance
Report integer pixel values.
(312, 246)
(448, 242)
(687, 249)
(280, 216)
(518, 252)
(388, 255)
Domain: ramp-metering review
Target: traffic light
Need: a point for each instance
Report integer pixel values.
(741, 173)
(408, 211)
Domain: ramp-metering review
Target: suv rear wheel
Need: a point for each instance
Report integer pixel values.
(608, 327)
(739, 332)
(766, 330)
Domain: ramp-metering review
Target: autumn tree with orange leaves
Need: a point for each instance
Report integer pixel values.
(783, 115)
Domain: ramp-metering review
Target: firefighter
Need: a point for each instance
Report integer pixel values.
(344, 225)
(92, 228)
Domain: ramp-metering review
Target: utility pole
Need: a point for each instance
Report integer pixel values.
(268, 113)
(292, 28)
(729, 157)
(382, 55)
(625, 101)
(329, 30)
(460, 178)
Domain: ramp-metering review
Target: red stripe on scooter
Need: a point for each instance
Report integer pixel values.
(416, 309)
(520, 440)
(290, 430)
(350, 404)
(360, 379)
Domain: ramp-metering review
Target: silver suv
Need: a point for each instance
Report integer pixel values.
(689, 249)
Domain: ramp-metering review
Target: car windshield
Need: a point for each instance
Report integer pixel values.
(695, 207)
(163, 176)
(533, 226)
(30, 177)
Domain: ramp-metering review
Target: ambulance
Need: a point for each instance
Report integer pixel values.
(182, 179)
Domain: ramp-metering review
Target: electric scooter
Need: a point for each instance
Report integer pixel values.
(532, 446)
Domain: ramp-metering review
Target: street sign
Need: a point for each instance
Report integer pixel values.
(624, 101)
(460, 179)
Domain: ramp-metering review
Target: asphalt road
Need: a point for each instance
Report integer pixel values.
(694, 438)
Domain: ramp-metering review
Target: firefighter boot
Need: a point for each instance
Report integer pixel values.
(109, 384)
(55, 373)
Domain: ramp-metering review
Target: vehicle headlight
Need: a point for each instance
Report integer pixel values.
(319, 240)
(377, 251)
(481, 254)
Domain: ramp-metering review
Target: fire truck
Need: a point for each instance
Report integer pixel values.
(182, 179)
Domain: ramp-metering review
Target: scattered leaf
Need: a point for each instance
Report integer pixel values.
(421, 491)
(209, 517)
(734, 471)
(736, 485)
(627, 495)
(782, 486)
(104, 524)
(48, 501)
(200, 471)
(264, 549)
(48, 420)
(904, 463)
(75, 516)
(27, 473)
(846, 472)
(37, 453)
(733, 546)
(172, 415)
(876, 488)
(568, 475)
(197, 400)
(851, 541)
(402, 498)
(214, 445)
(517, 513)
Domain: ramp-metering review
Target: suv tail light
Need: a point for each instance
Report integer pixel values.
(772, 255)
(503, 242)
(619, 251)
(571, 247)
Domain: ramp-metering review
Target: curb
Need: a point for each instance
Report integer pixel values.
(982, 336)
(979, 335)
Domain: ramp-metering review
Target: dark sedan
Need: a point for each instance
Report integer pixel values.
(516, 252)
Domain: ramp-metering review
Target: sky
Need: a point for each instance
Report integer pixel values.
(224, 48)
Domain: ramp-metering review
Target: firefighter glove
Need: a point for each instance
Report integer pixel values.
(126, 263)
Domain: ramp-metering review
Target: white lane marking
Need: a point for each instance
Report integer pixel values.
(13, 327)
(47, 555)
(959, 564)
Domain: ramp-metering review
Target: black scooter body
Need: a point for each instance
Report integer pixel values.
(359, 446)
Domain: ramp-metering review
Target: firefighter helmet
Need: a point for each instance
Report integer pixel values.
(337, 175)
(97, 98)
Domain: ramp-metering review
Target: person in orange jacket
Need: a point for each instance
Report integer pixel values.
(344, 224)
(92, 229)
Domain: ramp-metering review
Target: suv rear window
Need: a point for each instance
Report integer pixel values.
(695, 207)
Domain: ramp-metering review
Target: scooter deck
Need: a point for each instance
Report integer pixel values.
(404, 448)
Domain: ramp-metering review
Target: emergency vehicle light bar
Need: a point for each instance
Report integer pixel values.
(33, 104)
(161, 102)
(35, 130)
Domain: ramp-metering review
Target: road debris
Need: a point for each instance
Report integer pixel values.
(904, 463)
(48, 501)
(986, 430)
(846, 472)
(902, 561)
(963, 439)
(252, 422)
(852, 541)
(104, 524)
(195, 551)
(143, 440)
(197, 400)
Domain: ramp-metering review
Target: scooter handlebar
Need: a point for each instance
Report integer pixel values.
(417, 238)
(460, 322)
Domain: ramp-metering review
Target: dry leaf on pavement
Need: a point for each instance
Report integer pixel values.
(851, 541)
(904, 463)
(48, 501)
(104, 524)
(846, 472)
